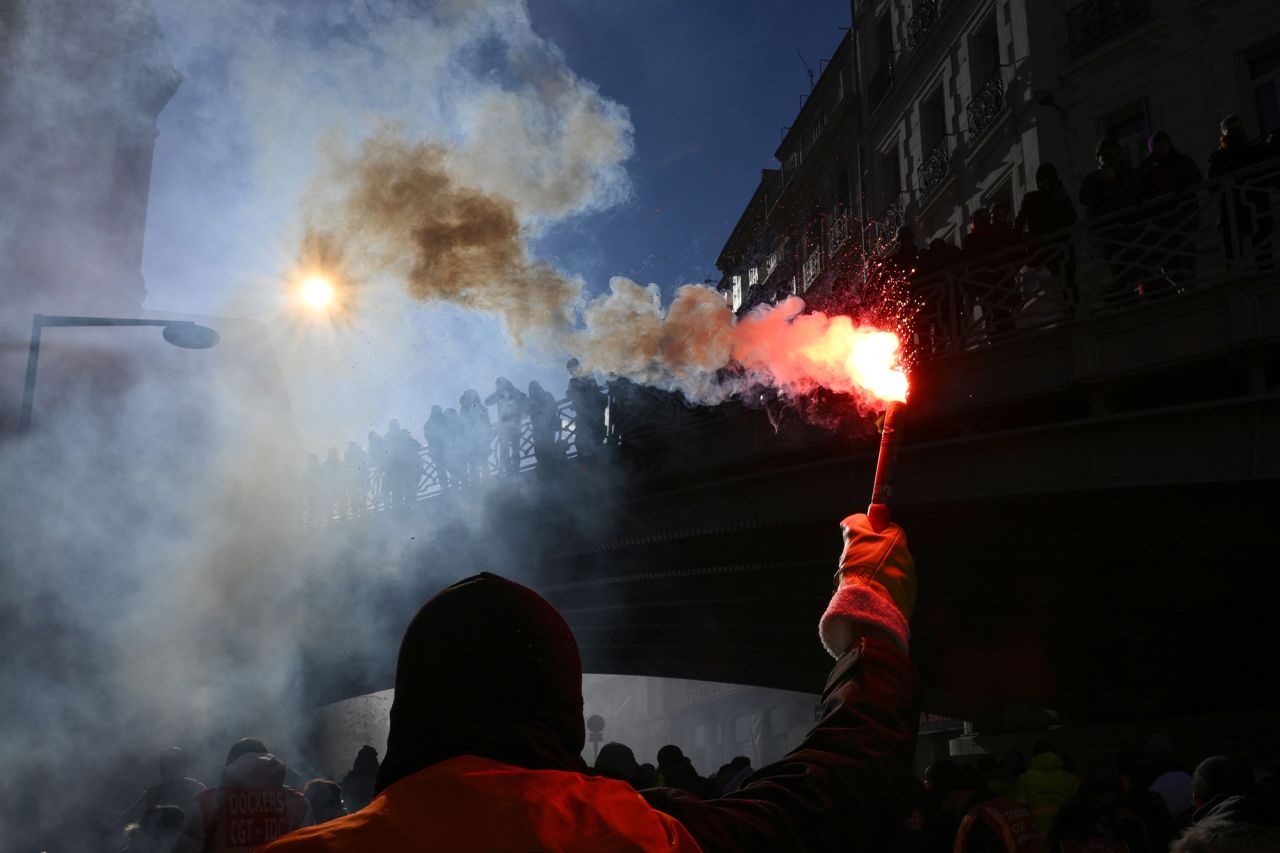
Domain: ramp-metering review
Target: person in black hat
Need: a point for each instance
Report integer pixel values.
(484, 752)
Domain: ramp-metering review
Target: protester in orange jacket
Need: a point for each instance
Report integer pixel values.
(487, 731)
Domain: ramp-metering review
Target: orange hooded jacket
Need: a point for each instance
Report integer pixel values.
(474, 805)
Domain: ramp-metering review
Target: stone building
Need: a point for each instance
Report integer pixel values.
(932, 109)
(964, 99)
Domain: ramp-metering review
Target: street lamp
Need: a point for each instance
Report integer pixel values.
(180, 333)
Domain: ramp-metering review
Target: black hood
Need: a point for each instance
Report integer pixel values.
(487, 667)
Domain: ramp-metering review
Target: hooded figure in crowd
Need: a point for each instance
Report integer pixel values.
(1046, 786)
(484, 753)
(174, 788)
(251, 807)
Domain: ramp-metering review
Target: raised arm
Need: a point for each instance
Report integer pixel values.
(844, 787)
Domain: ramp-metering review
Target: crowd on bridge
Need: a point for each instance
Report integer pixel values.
(462, 447)
(1143, 221)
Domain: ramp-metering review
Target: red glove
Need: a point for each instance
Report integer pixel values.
(876, 586)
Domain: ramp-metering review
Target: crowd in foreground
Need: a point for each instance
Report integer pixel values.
(484, 754)
(1137, 801)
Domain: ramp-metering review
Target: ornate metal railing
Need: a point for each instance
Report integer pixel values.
(880, 83)
(986, 106)
(837, 233)
(812, 266)
(1093, 23)
(926, 15)
(885, 224)
(933, 169)
(1208, 235)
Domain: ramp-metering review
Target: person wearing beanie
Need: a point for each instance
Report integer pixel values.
(251, 807)
(484, 752)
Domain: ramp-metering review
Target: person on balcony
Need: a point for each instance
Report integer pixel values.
(435, 432)
(512, 404)
(903, 258)
(987, 285)
(1108, 195)
(356, 475)
(589, 404)
(544, 427)
(1002, 229)
(1166, 183)
(1043, 220)
(478, 432)
(487, 732)
(1244, 217)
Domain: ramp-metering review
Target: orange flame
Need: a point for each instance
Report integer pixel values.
(802, 352)
(875, 364)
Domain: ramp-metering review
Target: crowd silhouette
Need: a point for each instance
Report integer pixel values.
(499, 435)
(1142, 226)
(1141, 799)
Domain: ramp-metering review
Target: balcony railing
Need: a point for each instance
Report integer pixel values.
(1218, 232)
(886, 223)
(812, 266)
(1093, 23)
(986, 106)
(837, 233)
(881, 82)
(926, 15)
(933, 169)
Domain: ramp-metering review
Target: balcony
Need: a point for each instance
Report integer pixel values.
(880, 84)
(925, 17)
(837, 233)
(886, 222)
(933, 169)
(986, 106)
(812, 266)
(1093, 23)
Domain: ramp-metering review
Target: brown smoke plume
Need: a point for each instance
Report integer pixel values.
(397, 208)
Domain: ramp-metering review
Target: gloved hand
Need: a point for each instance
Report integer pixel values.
(875, 586)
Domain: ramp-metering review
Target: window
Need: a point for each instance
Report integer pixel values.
(890, 178)
(1129, 127)
(933, 120)
(753, 276)
(737, 292)
(1264, 79)
(984, 54)
(1001, 194)
(884, 38)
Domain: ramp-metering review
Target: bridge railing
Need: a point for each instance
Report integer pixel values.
(1211, 233)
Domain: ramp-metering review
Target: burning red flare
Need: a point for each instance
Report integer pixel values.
(804, 352)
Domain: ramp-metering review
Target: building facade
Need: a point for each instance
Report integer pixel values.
(965, 99)
(933, 109)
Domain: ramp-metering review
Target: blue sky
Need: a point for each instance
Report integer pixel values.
(707, 85)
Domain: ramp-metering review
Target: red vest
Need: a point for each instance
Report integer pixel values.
(243, 818)
(474, 805)
(1012, 823)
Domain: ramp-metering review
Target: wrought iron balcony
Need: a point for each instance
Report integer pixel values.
(887, 221)
(925, 17)
(1096, 22)
(837, 233)
(812, 266)
(986, 106)
(933, 169)
(881, 82)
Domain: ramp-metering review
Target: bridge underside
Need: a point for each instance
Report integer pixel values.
(1093, 510)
